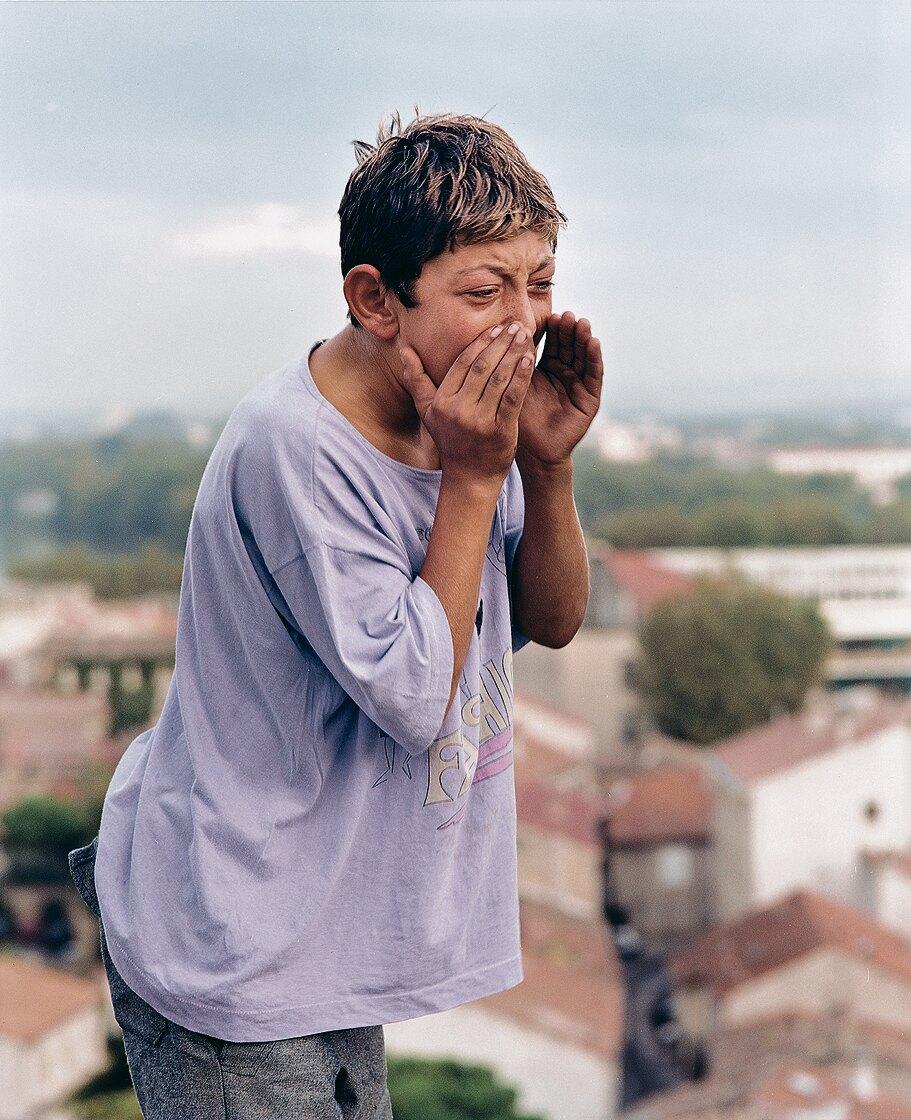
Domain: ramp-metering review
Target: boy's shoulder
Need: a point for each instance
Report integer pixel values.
(275, 426)
(277, 403)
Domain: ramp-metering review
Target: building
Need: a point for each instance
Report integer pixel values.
(559, 806)
(47, 737)
(590, 679)
(59, 635)
(885, 887)
(787, 1090)
(856, 1050)
(556, 1037)
(53, 1033)
(805, 953)
(658, 855)
(877, 469)
(799, 800)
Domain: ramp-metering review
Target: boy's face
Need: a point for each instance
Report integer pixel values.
(460, 295)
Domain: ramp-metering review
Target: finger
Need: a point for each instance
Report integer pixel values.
(594, 367)
(473, 366)
(514, 391)
(494, 384)
(589, 382)
(551, 351)
(580, 346)
(566, 335)
(550, 354)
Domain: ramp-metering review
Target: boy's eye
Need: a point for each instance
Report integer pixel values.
(485, 293)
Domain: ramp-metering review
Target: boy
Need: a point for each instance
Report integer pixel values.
(318, 835)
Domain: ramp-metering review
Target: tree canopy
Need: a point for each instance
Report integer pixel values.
(727, 656)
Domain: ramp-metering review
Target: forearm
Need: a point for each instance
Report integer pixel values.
(550, 585)
(455, 556)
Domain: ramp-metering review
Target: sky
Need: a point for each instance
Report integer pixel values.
(736, 175)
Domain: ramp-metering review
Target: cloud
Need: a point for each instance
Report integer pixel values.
(735, 176)
(266, 228)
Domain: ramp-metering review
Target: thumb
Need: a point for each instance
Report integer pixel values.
(418, 384)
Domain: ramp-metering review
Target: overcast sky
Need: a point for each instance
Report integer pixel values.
(735, 174)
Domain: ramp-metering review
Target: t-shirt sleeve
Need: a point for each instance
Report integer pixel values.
(515, 523)
(383, 636)
(331, 547)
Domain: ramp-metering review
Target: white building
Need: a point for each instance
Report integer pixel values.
(886, 887)
(806, 953)
(556, 1037)
(618, 441)
(802, 801)
(53, 1033)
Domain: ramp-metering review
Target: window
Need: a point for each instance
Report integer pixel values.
(675, 865)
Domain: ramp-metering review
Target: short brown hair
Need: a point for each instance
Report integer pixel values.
(445, 179)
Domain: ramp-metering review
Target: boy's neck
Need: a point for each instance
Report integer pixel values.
(357, 374)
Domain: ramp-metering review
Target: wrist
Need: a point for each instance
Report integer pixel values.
(485, 491)
(534, 469)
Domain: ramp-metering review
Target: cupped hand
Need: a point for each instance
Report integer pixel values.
(565, 391)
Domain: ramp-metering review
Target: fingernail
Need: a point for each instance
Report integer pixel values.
(495, 332)
(514, 327)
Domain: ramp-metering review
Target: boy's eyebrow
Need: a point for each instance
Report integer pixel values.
(506, 271)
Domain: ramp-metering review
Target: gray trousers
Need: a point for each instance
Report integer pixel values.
(179, 1074)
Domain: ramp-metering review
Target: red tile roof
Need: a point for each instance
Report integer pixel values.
(791, 739)
(839, 1035)
(895, 860)
(771, 1090)
(795, 1088)
(572, 813)
(670, 804)
(641, 577)
(557, 789)
(802, 922)
(35, 998)
(527, 705)
(571, 988)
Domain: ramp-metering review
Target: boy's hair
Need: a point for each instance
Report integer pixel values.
(443, 180)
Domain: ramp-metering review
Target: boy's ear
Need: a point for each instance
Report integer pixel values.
(371, 301)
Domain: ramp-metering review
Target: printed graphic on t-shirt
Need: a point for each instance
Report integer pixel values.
(452, 764)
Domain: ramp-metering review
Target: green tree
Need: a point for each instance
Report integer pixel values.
(728, 656)
(891, 523)
(731, 522)
(664, 526)
(444, 1089)
(809, 521)
(39, 830)
(119, 1104)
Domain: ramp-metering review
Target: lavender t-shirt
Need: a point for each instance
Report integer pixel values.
(307, 839)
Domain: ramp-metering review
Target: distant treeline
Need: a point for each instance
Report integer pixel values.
(691, 502)
(113, 495)
(123, 508)
(111, 576)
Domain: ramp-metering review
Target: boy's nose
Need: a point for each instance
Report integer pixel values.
(524, 315)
